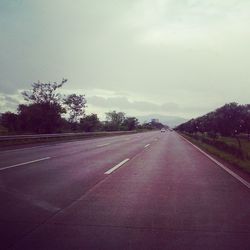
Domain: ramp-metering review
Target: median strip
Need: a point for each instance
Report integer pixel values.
(116, 166)
(25, 163)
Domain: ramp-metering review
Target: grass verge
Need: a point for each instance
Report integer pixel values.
(231, 159)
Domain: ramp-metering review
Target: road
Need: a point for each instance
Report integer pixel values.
(143, 191)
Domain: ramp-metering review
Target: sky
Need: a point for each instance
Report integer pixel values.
(171, 57)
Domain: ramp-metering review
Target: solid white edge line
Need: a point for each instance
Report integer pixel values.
(25, 163)
(116, 166)
(146, 145)
(240, 179)
(102, 145)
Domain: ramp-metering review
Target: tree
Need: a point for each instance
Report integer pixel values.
(114, 120)
(75, 104)
(228, 120)
(43, 113)
(40, 117)
(246, 119)
(10, 121)
(156, 125)
(130, 123)
(44, 92)
(90, 123)
(147, 126)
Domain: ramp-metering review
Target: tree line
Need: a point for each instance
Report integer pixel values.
(231, 120)
(47, 111)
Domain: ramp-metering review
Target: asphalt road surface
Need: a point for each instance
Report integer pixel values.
(142, 191)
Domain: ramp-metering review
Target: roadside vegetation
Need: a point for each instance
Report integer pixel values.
(226, 151)
(224, 132)
(46, 111)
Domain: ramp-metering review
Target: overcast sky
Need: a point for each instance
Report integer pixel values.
(172, 57)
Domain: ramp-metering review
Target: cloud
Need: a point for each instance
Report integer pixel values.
(9, 102)
(123, 104)
(191, 21)
(185, 55)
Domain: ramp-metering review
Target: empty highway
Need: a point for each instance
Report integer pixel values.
(140, 191)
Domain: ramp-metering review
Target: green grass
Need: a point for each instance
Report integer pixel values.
(232, 141)
(231, 159)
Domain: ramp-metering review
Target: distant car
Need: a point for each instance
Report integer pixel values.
(163, 130)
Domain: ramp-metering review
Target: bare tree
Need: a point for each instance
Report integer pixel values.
(44, 93)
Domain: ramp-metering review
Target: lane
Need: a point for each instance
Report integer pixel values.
(62, 171)
(31, 194)
(13, 157)
(170, 196)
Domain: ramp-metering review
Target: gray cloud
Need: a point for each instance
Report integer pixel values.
(9, 102)
(182, 56)
(122, 103)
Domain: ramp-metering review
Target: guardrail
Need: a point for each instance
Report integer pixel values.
(62, 135)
